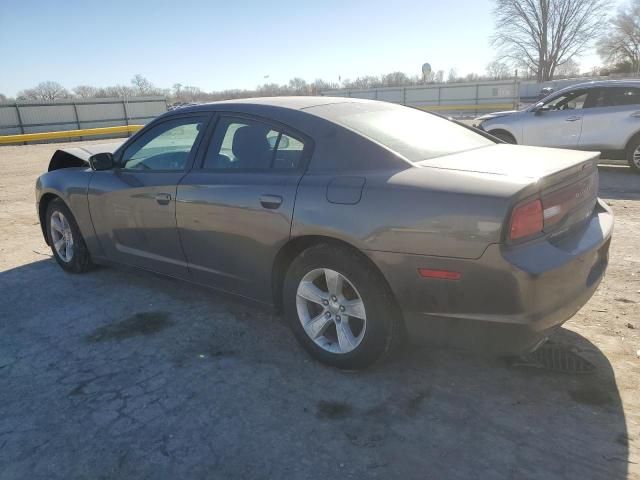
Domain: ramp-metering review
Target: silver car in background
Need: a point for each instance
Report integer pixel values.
(602, 116)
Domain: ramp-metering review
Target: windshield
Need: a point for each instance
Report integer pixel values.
(414, 134)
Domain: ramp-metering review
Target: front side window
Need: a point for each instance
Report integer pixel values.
(244, 144)
(568, 101)
(164, 147)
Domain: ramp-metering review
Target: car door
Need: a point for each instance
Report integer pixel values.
(234, 209)
(557, 123)
(133, 205)
(611, 118)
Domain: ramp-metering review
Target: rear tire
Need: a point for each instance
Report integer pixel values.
(504, 136)
(363, 306)
(65, 239)
(633, 154)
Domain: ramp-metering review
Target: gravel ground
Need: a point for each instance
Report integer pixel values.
(120, 374)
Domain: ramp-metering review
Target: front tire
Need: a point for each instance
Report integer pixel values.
(340, 308)
(504, 136)
(65, 239)
(633, 154)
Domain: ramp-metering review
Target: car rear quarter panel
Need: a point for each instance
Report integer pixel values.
(422, 211)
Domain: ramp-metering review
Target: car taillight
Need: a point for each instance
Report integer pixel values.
(526, 220)
(557, 204)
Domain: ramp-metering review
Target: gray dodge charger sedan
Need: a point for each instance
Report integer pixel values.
(364, 222)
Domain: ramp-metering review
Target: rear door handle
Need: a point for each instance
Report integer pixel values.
(270, 201)
(635, 114)
(163, 198)
(573, 118)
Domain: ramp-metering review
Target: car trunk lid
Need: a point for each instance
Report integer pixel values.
(550, 164)
(565, 181)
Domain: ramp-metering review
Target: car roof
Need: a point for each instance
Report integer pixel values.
(292, 103)
(602, 83)
(268, 105)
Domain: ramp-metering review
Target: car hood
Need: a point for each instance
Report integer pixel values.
(79, 156)
(488, 116)
(87, 151)
(517, 161)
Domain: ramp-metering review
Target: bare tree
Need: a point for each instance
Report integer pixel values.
(270, 90)
(192, 94)
(44, 91)
(395, 79)
(498, 70)
(570, 68)
(544, 34)
(621, 42)
(116, 91)
(298, 86)
(439, 76)
(319, 85)
(369, 81)
(429, 77)
(453, 75)
(85, 91)
(3, 98)
(142, 86)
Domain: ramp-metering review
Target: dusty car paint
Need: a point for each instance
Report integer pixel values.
(446, 213)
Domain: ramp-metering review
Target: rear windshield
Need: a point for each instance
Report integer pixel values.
(414, 134)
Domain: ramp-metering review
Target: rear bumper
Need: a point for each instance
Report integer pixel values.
(508, 300)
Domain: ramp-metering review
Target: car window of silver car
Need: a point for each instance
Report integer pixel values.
(165, 147)
(569, 101)
(620, 96)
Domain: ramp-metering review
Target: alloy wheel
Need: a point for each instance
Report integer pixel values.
(331, 310)
(636, 156)
(61, 236)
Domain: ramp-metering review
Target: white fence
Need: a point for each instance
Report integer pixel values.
(60, 115)
(465, 99)
(460, 99)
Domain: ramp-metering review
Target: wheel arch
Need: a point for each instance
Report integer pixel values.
(43, 204)
(503, 131)
(630, 139)
(295, 246)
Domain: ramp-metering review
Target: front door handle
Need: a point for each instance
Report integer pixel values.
(163, 198)
(573, 118)
(270, 201)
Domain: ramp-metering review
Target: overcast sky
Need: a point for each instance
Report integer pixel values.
(219, 45)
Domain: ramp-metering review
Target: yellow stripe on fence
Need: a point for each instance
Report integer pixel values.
(480, 106)
(86, 132)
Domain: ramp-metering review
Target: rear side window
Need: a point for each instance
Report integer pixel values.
(414, 134)
(288, 152)
(244, 144)
(619, 96)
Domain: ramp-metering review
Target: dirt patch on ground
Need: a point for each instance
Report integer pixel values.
(144, 323)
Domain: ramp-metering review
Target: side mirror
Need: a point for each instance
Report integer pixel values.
(539, 108)
(101, 161)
